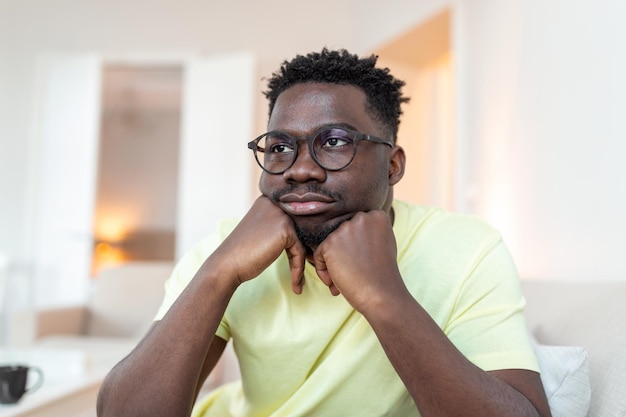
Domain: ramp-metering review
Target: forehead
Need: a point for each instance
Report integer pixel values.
(304, 108)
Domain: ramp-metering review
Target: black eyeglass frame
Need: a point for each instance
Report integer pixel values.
(356, 138)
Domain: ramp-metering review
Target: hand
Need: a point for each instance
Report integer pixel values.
(359, 260)
(257, 241)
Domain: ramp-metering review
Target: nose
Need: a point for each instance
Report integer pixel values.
(304, 168)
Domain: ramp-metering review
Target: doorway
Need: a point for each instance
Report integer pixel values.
(138, 164)
(217, 95)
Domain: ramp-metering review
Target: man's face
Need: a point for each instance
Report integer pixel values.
(318, 200)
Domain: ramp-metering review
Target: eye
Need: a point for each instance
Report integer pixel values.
(334, 142)
(278, 144)
(335, 139)
(280, 148)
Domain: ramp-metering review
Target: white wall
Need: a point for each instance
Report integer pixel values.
(378, 23)
(65, 177)
(543, 99)
(214, 175)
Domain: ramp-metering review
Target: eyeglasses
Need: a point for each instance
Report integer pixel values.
(333, 148)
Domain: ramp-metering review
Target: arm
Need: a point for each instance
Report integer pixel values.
(440, 379)
(437, 375)
(164, 373)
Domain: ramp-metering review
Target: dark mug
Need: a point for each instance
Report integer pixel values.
(13, 380)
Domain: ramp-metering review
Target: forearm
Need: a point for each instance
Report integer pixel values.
(438, 377)
(161, 376)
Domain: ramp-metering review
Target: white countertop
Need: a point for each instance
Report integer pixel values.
(67, 373)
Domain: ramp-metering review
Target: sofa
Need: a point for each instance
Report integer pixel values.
(578, 329)
(118, 312)
(592, 316)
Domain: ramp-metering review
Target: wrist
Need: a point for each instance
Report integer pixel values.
(222, 277)
(388, 306)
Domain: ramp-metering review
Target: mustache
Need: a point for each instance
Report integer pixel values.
(302, 189)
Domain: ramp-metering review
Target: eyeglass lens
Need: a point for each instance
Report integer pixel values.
(333, 149)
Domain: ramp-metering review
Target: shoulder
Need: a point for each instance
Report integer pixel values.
(437, 225)
(193, 258)
(452, 247)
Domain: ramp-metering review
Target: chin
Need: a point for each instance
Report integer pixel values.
(312, 236)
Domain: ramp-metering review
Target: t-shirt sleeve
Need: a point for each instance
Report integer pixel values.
(184, 271)
(188, 266)
(487, 322)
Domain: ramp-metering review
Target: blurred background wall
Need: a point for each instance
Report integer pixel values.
(517, 116)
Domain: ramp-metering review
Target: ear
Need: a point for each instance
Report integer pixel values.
(396, 164)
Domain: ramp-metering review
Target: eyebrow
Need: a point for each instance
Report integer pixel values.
(320, 127)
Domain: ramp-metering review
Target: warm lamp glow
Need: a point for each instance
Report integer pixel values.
(106, 254)
(104, 250)
(110, 232)
(110, 229)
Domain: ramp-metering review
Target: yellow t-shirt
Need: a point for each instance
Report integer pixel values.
(313, 355)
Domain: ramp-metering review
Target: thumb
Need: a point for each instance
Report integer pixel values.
(322, 272)
(296, 254)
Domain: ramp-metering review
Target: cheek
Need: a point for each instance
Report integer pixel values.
(372, 188)
(379, 189)
(267, 184)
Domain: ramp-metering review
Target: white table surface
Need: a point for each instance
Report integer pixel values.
(71, 381)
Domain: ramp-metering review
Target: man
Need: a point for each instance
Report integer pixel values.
(340, 301)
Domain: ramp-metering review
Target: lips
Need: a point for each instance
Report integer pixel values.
(307, 204)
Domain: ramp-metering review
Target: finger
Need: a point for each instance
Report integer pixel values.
(298, 285)
(320, 268)
(322, 272)
(296, 253)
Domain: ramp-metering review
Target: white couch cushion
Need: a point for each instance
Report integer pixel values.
(565, 377)
(591, 315)
(126, 298)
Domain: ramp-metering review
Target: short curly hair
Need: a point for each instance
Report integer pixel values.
(383, 91)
